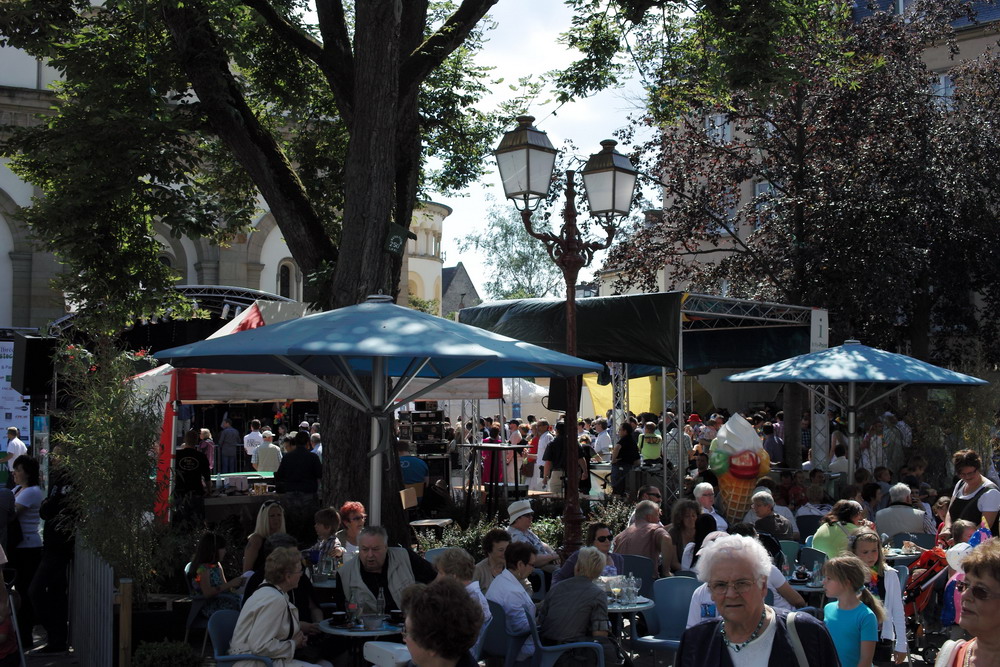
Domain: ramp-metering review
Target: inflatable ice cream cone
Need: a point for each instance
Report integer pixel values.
(737, 458)
(736, 494)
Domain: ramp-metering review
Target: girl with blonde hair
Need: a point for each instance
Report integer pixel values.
(854, 618)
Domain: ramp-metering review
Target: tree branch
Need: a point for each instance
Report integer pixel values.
(416, 66)
(207, 65)
(338, 58)
(300, 41)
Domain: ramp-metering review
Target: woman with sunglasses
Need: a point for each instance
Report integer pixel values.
(598, 535)
(270, 520)
(980, 595)
(352, 513)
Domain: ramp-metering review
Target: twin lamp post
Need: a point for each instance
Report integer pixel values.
(526, 159)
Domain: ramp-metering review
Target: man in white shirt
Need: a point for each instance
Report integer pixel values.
(507, 591)
(253, 439)
(840, 463)
(317, 445)
(602, 443)
(704, 495)
(15, 447)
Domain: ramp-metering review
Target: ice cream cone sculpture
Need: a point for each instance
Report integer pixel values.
(738, 459)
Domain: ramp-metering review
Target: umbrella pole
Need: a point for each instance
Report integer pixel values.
(375, 462)
(852, 416)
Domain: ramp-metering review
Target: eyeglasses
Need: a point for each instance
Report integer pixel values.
(979, 591)
(358, 518)
(740, 586)
(604, 538)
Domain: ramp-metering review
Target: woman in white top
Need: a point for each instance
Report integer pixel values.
(26, 554)
(974, 497)
(885, 585)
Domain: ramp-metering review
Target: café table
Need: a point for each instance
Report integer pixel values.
(356, 634)
(629, 610)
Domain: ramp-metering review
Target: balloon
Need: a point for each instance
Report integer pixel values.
(718, 462)
(765, 462)
(957, 554)
(744, 465)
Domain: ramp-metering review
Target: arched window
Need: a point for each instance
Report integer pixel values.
(285, 281)
(167, 261)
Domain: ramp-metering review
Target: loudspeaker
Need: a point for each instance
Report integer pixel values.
(557, 394)
(32, 370)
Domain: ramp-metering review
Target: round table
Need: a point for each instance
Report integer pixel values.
(631, 609)
(358, 632)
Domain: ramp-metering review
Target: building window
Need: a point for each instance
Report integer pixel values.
(167, 261)
(943, 91)
(718, 128)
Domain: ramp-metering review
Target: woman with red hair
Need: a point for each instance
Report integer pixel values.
(352, 513)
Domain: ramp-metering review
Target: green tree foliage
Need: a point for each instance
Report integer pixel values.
(517, 265)
(864, 195)
(429, 306)
(111, 431)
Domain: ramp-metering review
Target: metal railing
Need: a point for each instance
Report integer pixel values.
(92, 609)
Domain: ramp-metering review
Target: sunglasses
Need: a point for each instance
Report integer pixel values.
(978, 591)
(604, 538)
(358, 518)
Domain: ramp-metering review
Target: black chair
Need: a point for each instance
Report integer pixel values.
(807, 525)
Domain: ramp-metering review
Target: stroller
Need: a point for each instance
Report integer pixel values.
(930, 568)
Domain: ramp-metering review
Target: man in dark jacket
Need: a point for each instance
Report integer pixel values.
(298, 478)
(192, 479)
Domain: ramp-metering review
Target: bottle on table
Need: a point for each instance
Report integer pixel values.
(380, 603)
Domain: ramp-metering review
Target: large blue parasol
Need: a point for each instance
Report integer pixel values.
(382, 340)
(852, 364)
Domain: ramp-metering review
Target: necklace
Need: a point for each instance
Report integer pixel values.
(742, 645)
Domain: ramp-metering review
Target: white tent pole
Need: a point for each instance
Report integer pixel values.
(375, 462)
(682, 468)
(852, 416)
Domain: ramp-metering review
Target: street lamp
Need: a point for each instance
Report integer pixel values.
(526, 159)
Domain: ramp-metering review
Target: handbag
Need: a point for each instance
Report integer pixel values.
(883, 650)
(527, 469)
(795, 641)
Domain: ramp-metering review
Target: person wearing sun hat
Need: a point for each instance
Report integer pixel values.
(521, 517)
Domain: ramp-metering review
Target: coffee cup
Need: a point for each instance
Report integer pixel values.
(396, 616)
(338, 618)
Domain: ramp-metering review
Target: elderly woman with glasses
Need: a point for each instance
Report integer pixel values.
(599, 536)
(268, 624)
(980, 592)
(750, 633)
(353, 515)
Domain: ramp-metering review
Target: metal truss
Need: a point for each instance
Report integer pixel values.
(704, 311)
(216, 299)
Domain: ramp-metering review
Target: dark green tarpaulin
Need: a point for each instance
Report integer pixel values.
(638, 329)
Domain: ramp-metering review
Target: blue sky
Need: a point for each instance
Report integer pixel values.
(525, 42)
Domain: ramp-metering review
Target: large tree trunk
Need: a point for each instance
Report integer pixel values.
(364, 266)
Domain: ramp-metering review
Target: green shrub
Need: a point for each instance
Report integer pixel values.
(165, 654)
(614, 512)
(470, 539)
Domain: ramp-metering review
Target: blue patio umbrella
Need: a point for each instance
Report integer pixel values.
(382, 340)
(852, 364)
